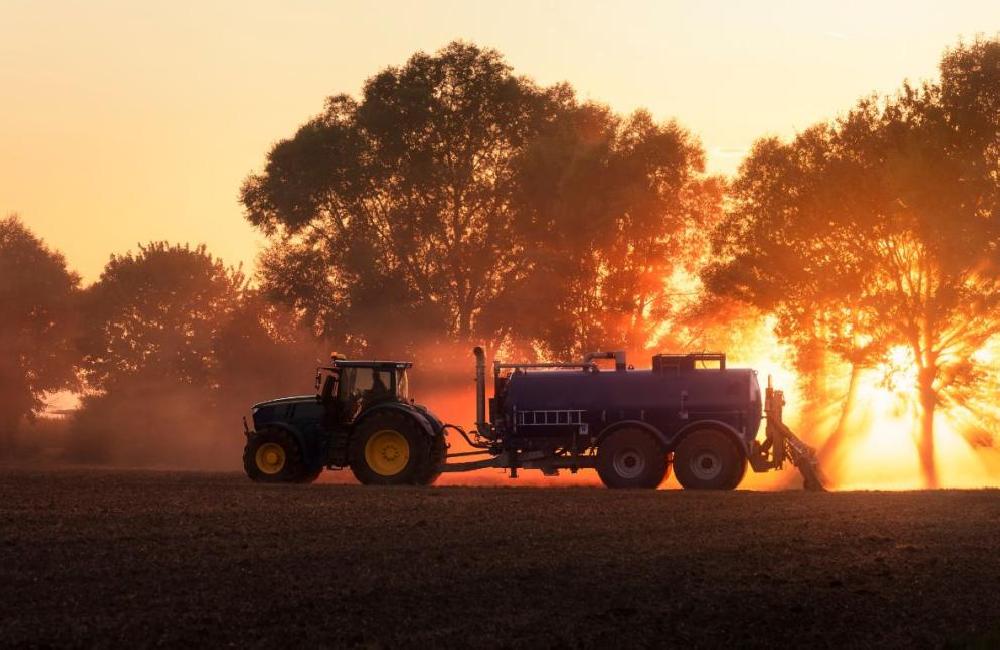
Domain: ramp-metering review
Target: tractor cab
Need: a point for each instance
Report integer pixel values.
(346, 388)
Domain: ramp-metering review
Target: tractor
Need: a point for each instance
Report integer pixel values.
(688, 412)
(360, 417)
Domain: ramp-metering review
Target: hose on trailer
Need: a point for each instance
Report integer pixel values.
(478, 443)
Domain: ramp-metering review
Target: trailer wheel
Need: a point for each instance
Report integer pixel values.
(272, 456)
(740, 474)
(709, 460)
(388, 448)
(631, 458)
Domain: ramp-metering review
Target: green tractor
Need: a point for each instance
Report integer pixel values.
(361, 417)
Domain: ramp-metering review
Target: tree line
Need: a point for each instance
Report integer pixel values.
(454, 201)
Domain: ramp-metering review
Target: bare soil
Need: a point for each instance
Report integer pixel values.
(115, 558)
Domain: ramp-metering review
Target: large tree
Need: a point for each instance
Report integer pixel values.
(38, 295)
(882, 230)
(150, 342)
(392, 212)
(609, 211)
(156, 314)
(456, 200)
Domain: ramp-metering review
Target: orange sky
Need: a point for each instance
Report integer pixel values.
(123, 122)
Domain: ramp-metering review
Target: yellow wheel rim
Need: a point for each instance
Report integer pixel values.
(387, 452)
(270, 458)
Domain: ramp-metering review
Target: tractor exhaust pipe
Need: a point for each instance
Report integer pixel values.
(482, 426)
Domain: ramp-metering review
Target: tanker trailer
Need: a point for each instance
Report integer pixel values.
(689, 412)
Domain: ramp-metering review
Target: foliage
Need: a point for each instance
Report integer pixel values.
(880, 229)
(157, 314)
(38, 295)
(175, 349)
(609, 209)
(456, 200)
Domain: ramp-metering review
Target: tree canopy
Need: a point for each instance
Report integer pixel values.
(457, 200)
(38, 294)
(881, 229)
(156, 314)
(175, 347)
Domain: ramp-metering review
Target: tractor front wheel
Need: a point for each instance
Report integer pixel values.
(631, 458)
(273, 456)
(389, 448)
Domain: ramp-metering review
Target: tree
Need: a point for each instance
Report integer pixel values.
(453, 194)
(36, 333)
(156, 314)
(608, 210)
(392, 213)
(882, 230)
(151, 328)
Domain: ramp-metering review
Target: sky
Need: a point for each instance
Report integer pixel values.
(128, 122)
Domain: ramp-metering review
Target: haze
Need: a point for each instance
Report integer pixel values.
(128, 122)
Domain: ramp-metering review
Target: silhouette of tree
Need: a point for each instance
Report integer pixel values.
(151, 326)
(38, 296)
(881, 230)
(456, 200)
(608, 210)
(392, 214)
(156, 314)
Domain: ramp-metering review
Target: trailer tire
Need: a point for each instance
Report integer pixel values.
(273, 456)
(740, 474)
(631, 459)
(389, 448)
(709, 460)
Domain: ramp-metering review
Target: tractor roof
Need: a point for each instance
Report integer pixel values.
(344, 363)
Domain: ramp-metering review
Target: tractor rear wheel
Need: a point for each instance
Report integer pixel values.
(439, 452)
(273, 456)
(709, 460)
(631, 458)
(389, 448)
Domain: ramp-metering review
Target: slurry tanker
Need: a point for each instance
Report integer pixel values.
(688, 412)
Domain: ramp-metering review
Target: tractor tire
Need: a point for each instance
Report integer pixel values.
(631, 459)
(439, 453)
(709, 460)
(273, 456)
(389, 448)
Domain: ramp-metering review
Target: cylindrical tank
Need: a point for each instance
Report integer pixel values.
(666, 399)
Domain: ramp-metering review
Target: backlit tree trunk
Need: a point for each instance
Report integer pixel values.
(925, 443)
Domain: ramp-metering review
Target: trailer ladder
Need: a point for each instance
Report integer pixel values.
(539, 418)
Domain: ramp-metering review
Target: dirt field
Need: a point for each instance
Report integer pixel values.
(144, 558)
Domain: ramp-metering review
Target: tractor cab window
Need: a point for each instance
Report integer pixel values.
(363, 385)
(402, 385)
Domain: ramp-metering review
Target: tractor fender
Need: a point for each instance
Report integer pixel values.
(425, 424)
(633, 424)
(715, 425)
